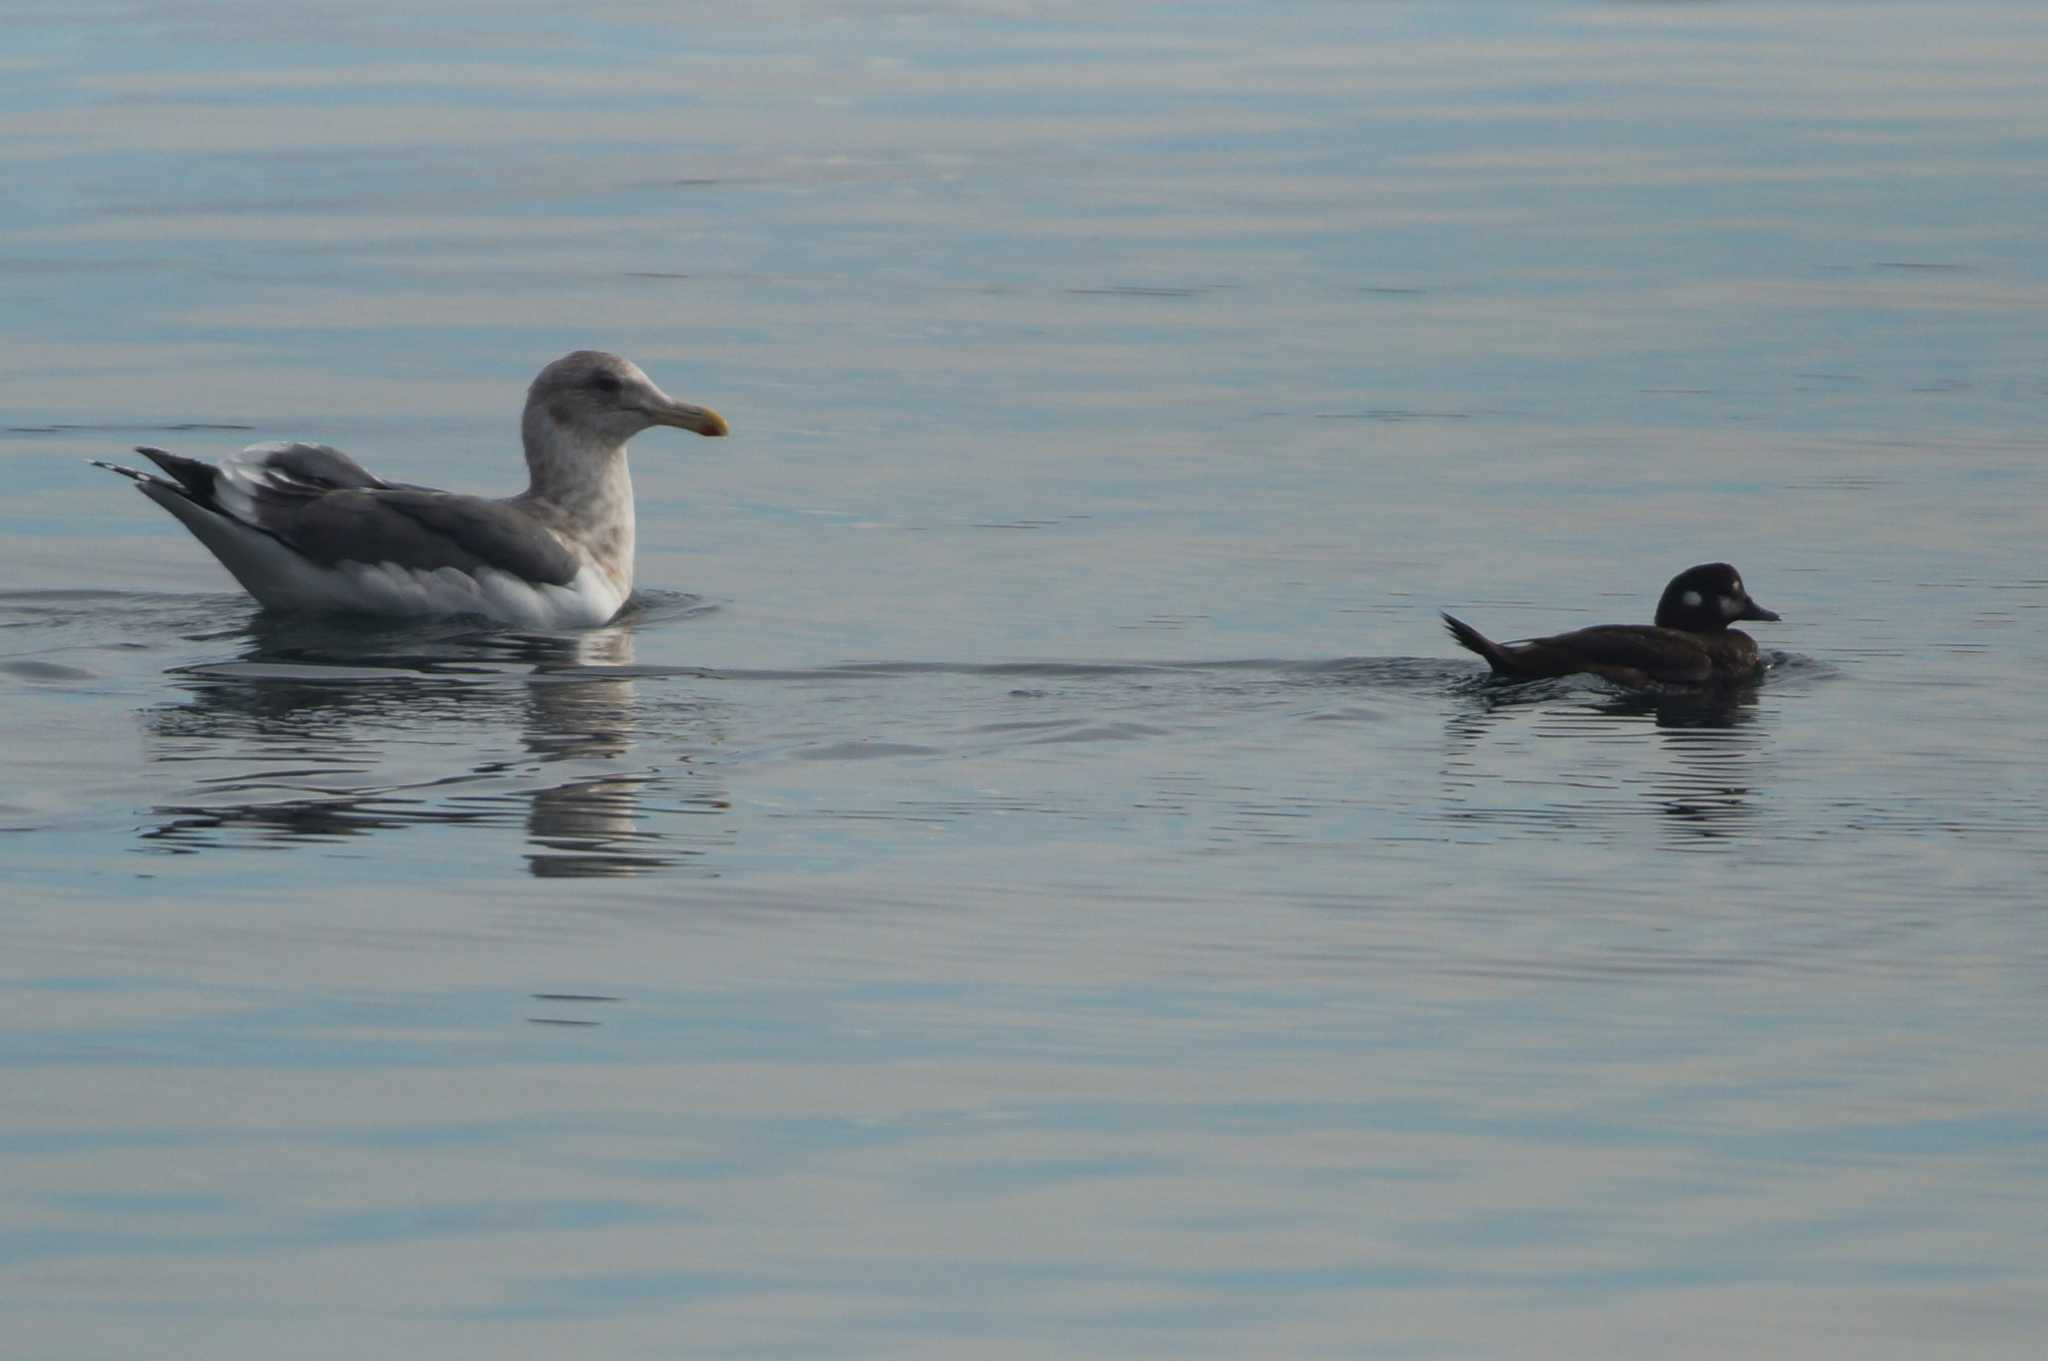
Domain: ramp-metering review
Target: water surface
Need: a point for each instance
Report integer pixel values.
(1030, 874)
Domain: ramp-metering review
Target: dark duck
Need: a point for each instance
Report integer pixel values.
(1691, 644)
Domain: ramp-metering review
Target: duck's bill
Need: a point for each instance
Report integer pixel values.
(1755, 611)
(683, 416)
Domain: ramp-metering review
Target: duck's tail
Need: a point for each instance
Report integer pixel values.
(1473, 640)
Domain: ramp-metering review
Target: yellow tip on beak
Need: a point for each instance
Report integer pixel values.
(683, 416)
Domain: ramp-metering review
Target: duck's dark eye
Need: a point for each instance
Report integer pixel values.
(605, 382)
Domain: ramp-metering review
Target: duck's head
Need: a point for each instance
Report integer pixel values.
(1707, 599)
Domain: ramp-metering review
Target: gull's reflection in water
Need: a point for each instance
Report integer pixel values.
(585, 828)
(323, 732)
(1556, 754)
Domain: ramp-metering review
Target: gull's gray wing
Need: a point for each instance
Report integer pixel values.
(243, 485)
(328, 507)
(302, 465)
(426, 529)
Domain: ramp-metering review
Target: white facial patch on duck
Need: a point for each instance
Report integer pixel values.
(1731, 605)
(1691, 600)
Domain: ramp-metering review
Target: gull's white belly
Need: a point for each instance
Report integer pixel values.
(386, 588)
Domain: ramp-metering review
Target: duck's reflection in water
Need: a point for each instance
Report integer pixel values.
(1713, 757)
(318, 733)
(1706, 753)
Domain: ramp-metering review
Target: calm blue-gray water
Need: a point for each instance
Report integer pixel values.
(1029, 875)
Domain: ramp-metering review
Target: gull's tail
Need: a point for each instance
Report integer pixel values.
(195, 480)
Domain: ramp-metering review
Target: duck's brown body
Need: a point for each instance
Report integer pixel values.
(1691, 643)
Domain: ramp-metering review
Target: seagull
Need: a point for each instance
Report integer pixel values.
(307, 529)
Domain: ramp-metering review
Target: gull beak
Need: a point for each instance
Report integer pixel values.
(666, 410)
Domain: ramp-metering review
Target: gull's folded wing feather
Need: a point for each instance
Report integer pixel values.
(426, 530)
(320, 502)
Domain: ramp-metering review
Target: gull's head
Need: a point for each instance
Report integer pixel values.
(594, 397)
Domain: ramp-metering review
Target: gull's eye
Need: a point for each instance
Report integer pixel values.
(605, 382)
